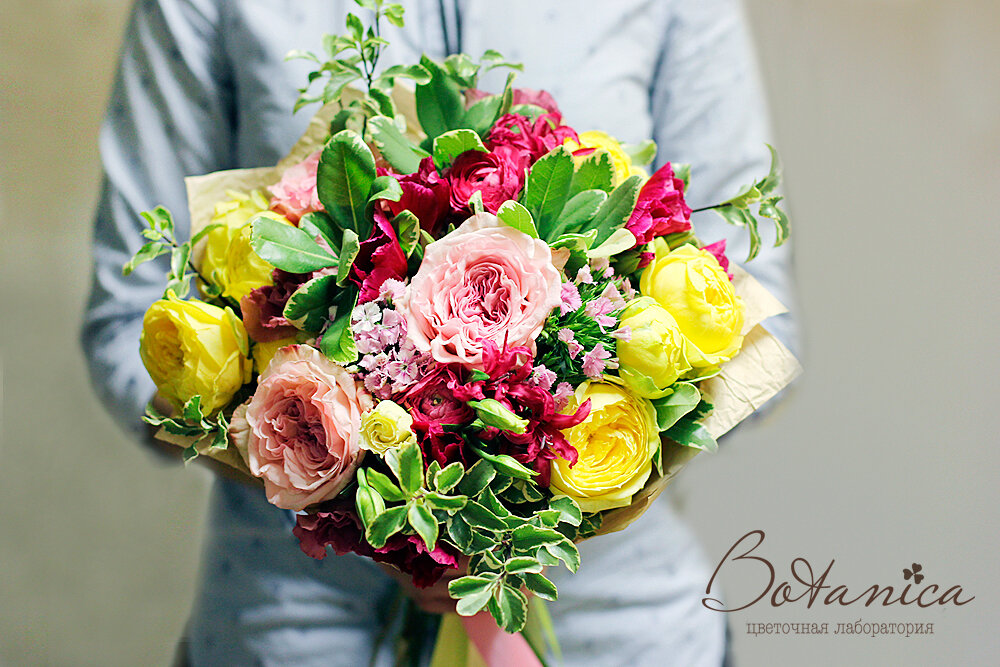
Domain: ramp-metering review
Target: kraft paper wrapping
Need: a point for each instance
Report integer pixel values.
(762, 369)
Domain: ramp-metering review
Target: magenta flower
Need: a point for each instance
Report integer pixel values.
(718, 250)
(497, 176)
(425, 194)
(660, 209)
(380, 258)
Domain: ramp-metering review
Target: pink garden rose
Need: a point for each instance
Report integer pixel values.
(299, 431)
(484, 281)
(295, 194)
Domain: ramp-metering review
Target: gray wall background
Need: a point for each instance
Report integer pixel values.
(886, 113)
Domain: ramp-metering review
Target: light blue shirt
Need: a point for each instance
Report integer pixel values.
(202, 86)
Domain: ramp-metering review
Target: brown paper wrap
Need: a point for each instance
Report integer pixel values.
(763, 367)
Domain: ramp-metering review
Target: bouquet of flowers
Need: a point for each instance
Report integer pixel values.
(449, 328)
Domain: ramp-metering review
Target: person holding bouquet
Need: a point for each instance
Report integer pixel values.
(202, 87)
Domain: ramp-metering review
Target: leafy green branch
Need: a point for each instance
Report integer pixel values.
(353, 57)
(161, 241)
(192, 422)
(738, 210)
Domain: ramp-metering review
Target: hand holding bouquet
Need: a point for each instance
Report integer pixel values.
(449, 325)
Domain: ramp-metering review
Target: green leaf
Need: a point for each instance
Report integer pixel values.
(506, 465)
(309, 307)
(147, 252)
(411, 468)
(395, 148)
(494, 413)
(773, 179)
(337, 342)
(522, 565)
(394, 14)
(440, 103)
(449, 477)
(489, 500)
(641, 153)
(619, 241)
(513, 608)
(418, 73)
(579, 211)
(476, 203)
(595, 172)
(478, 516)
(179, 261)
(769, 209)
(530, 111)
(690, 433)
(453, 143)
(422, 521)
(445, 503)
(385, 187)
(473, 593)
(319, 223)
(160, 219)
(547, 188)
(344, 180)
(385, 525)
(192, 409)
(567, 552)
(348, 253)
(541, 586)
(385, 487)
(615, 212)
(683, 172)
(369, 505)
(230, 317)
(672, 407)
(528, 538)
(477, 478)
(460, 533)
(407, 227)
(514, 215)
(569, 510)
(288, 248)
(470, 585)
(741, 217)
(481, 116)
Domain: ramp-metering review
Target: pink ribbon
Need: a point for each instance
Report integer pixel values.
(498, 648)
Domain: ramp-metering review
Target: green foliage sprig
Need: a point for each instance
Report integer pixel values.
(491, 511)
(162, 241)
(353, 57)
(192, 422)
(761, 194)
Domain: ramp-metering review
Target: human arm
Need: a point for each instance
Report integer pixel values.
(709, 110)
(169, 117)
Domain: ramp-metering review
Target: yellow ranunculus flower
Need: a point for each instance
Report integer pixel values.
(228, 259)
(193, 348)
(244, 270)
(619, 158)
(262, 353)
(653, 356)
(386, 427)
(616, 444)
(232, 214)
(691, 286)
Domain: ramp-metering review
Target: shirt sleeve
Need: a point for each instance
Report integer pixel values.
(170, 116)
(709, 111)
